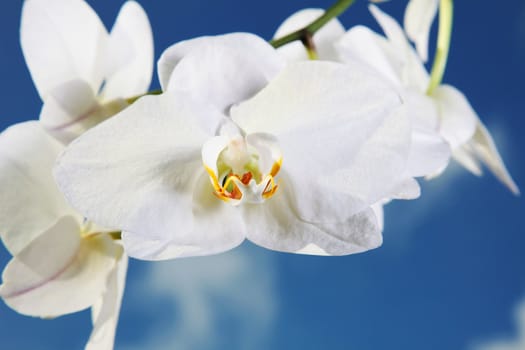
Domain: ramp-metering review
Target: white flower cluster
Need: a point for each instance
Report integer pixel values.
(296, 149)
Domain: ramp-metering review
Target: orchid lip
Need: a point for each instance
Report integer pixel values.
(236, 188)
(242, 169)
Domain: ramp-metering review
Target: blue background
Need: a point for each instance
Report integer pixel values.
(449, 275)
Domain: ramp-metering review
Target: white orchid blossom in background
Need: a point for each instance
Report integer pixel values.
(445, 112)
(239, 146)
(429, 152)
(83, 74)
(61, 263)
(460, 126)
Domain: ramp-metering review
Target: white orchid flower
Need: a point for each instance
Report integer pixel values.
(82, 73)
(459, 125)
(446, 112)
(61, 263)
(241, 146)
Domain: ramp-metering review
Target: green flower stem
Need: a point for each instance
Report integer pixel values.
(446, 10)
(135, 98)
(335, 10)
(309, 45)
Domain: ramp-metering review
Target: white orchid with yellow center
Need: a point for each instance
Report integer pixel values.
(241, 145)
(436, 111)
(63, 263)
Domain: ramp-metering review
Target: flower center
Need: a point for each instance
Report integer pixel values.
(242, 169)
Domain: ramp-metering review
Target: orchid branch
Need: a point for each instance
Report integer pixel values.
(446, 8)
(303, 34)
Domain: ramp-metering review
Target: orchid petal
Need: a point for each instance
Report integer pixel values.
(324, 38)
(419, 15)
(62, 40)
(156, 135)
(240, 42)
(146, 181)
(37, 283)
(233, 71)
(211, 151)
(379, 169)
(276, 225)
(485, 149)
(210, 227)
(105, 313)
(349, 124)
(413, 73)
(429, 153)
(330, 94)
(130, 54)
(362, 44)
(27, 155)
(70, 109)
(464, 156)
(458, 119)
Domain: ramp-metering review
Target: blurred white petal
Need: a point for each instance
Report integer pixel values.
(62, 40)
(27, 155)
(484, 148)
(458, 119)
(105, 312)
(72, 108)
(59, 272)
(129, 58)
(413, 72)
(419, 15)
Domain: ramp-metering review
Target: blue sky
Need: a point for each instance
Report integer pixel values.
(450, 274)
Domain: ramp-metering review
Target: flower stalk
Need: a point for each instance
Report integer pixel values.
(309, 45)
(333, 11)
(446, 10)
